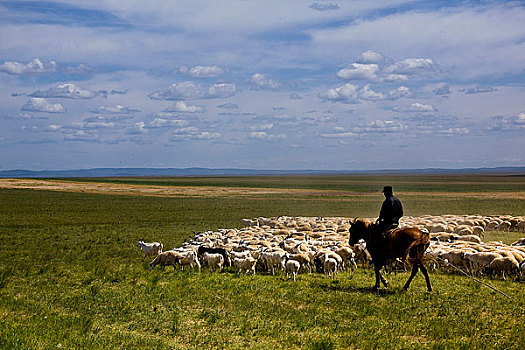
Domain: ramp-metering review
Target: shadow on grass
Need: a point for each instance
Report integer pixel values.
(363, 290)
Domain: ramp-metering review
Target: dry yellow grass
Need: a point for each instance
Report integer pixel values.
(214, 191)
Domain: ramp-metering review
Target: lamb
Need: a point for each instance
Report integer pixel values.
(189, 259)
(362, 255)
(330, 266)
(303, 259)
(245, 265)
(225, 255)
(499, 266)
(168, 258)
(292, 268)
(214, 261)
(148, 249)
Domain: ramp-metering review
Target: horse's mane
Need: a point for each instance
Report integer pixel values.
(364, 222)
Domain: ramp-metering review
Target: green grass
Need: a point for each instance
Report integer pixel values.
(71, 275)
(351, 183)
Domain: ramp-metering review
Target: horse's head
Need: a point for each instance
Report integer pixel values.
(358, 230)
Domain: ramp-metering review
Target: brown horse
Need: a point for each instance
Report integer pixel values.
(406, 243)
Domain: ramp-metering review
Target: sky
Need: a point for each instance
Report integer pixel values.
(323, 85)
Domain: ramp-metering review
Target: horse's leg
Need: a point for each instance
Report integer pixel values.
(425, 273)
(414, 271)
(377, 269)
(383, 279)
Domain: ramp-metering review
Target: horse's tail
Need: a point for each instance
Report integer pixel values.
(422, 242)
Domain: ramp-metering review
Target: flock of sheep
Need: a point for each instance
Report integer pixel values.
(317, 244)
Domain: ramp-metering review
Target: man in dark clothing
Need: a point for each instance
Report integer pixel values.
(391, 211)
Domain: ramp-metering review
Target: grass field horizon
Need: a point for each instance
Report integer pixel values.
(71, 275)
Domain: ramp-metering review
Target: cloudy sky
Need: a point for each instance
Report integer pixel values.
(262, 84)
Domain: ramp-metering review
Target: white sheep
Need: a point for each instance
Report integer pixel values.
(214, 261)
(499, 266)
(478, 261)
(245, 265)
(348, 256)
(292, 268)
(273, 259)
(470, 238)
(154, 248)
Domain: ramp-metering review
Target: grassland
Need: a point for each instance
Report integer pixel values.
(72, 277)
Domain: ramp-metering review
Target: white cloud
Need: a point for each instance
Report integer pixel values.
(53, 128)
(263, 135)
(137, 129)
(260, 81)
(36, 66)
(368, 94)
(182, 107)
(454, 131)
(400, 92)
(67, 91)
(350, 93)
(395, 77)
(443, 91)
(82, 136)
(415, 107)
(98, 124)
(118, 109)
(42, 105)
(369, 57)
(345, 93)
(381, 126)
(192, 133)
(162, 123)
(480, 90)
(358, 71)
(119, 92)
(340, 135)
(191, 90)
(81, 68)
(512, 123)
(202, 71)
(295, 96)
(330, 6)
(263, 127)
(229, 105)
(412, 66)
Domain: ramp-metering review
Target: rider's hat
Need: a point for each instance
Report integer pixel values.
(387, 189)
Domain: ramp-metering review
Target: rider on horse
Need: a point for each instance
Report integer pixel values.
(391, 212)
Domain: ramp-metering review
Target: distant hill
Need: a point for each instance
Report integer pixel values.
(147, 172)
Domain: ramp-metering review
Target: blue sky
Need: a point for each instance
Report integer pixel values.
(262, 84)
